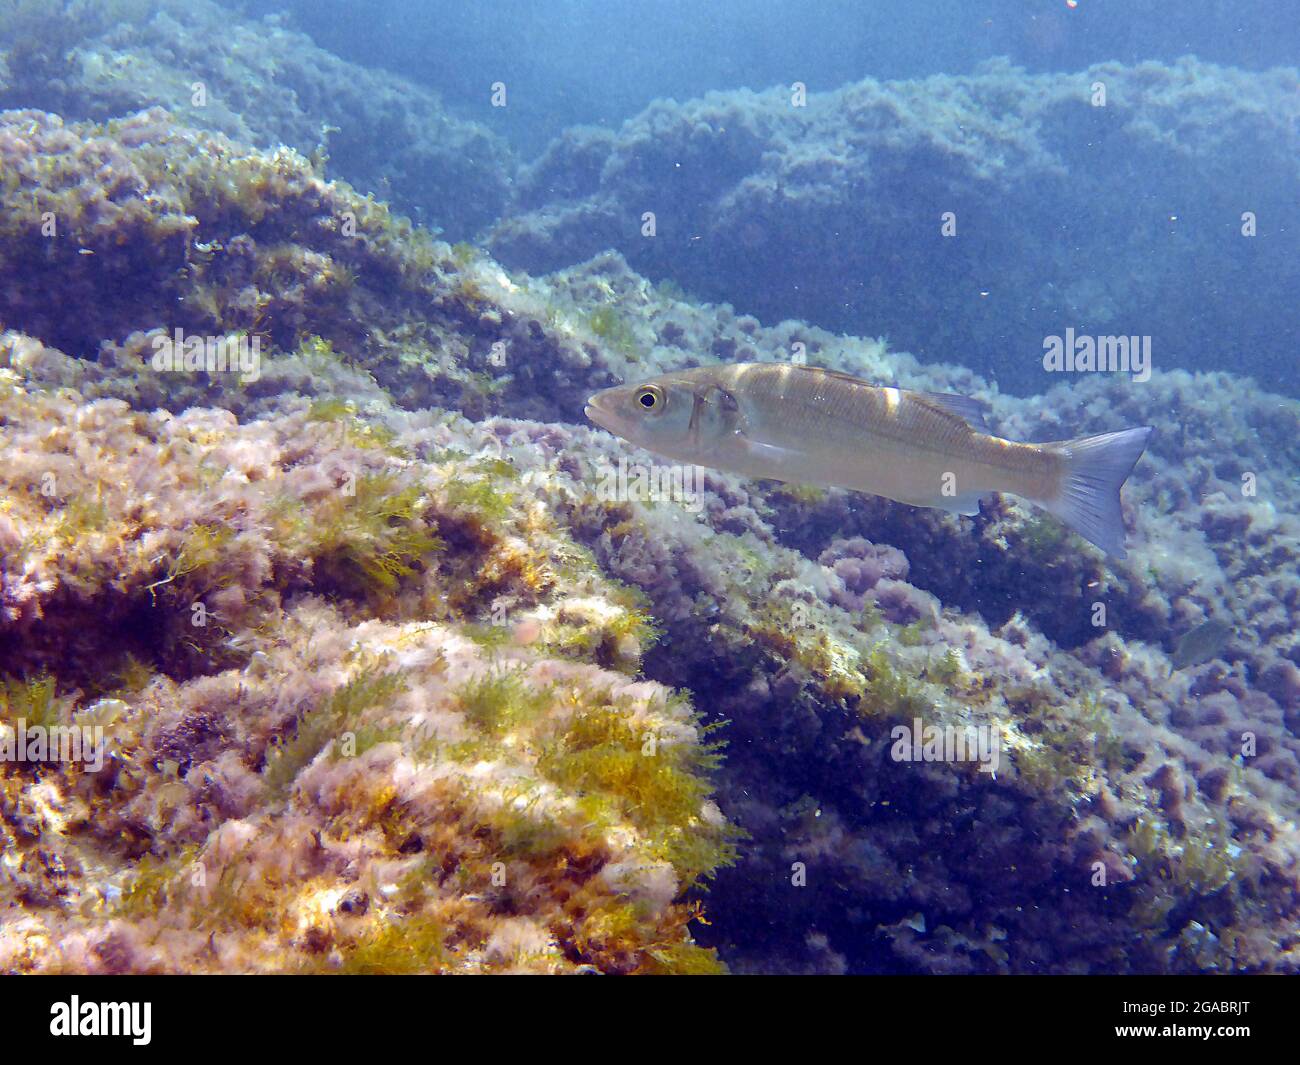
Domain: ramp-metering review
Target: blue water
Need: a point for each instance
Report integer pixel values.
(579, 61)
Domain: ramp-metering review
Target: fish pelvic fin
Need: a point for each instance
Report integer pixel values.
(1096, 467)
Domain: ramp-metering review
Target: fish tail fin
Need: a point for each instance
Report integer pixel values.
(1096, 467)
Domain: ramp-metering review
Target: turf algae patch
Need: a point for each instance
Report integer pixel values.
(389, 747)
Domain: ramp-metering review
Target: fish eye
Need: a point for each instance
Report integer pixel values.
(649, 398)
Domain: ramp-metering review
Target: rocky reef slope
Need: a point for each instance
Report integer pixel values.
(262, 83)
(452, 707)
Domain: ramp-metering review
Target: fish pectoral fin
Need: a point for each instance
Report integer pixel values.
(766, 452)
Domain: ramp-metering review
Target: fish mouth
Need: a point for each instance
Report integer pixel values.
(598, 414)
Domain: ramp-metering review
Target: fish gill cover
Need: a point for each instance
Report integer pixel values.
(381, 659)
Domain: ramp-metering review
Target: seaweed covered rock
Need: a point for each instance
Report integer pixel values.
(143, 225)
(321, 747)
(127, 218)
(262, 84)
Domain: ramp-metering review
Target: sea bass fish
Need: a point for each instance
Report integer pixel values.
(815, 426)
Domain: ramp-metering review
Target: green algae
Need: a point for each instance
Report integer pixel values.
(490, 637)
(130, 676)
(319, 354)
(463, 254)
(83, 516)
(683, 959)
(842, 668)
(205, 546)
(890, 691)
(913, 633)
(34, 701)
(369, 541)
(1044, 537)
(631, 775)
(949, 670)
(317, 727)
(484, 496)
(616, 932)
(1072, 739)
(399, 946)
(614, 329)
(501, 699)
(153, 882)
(523, 833)
(616, 640)
(354, 428)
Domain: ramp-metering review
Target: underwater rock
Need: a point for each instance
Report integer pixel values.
(813, 694)
(285, 632)
(260, 83)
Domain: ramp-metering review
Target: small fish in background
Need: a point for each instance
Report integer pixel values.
(1200, 644)
(815, 426)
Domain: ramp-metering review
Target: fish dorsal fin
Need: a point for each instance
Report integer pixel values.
(971, 411)
(838, 375)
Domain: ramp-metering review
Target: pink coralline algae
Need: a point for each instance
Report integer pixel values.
(875, 573)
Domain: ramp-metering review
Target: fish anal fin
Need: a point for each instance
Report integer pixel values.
(967, 505)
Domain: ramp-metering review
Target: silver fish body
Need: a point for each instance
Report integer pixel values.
(815, 426)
